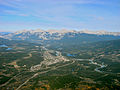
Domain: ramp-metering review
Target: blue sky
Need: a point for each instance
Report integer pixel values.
(60, 14)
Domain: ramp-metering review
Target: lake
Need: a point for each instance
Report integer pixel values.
(9, 49)
(3, 45)
(71, 55)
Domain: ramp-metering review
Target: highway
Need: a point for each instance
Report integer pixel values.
(44, 73)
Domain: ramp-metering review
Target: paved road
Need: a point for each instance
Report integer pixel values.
(43, 73)
(30, 55)
(9, 80)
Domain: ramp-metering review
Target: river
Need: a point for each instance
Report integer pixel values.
(100, 66)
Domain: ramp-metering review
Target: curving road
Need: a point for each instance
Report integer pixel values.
(43, 73)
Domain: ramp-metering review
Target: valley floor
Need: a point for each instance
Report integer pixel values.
(39, 68)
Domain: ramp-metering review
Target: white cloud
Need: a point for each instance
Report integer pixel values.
(13, 12)
(55, 13)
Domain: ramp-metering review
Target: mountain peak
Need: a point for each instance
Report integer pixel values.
(53, 34)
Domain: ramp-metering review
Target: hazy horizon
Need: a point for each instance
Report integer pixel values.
(58, 30)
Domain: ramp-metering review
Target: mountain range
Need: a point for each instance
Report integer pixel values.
(60, 38)
(44, 35)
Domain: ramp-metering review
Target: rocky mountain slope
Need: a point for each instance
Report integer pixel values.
(52, 34)
(62, 37)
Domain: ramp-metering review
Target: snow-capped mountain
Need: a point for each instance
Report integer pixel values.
(64, 35)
